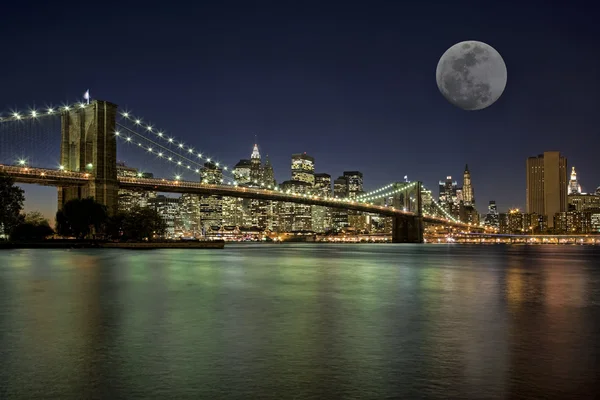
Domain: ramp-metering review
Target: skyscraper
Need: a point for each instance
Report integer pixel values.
(574, 186)
(294, 217)
(491, 218)
(241, 172)
(547, 185)
(303, 168)
(448, 194)
(321, 216)
(129, 199)
(354, 181)
(340, 191)
(255, 166)
(467, 190)
(268, 175)
(211, 207)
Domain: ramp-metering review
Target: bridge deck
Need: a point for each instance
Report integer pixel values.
(46, 177)
(50, 177)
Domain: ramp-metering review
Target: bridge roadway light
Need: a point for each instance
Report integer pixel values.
(22, 162)
(61, 167)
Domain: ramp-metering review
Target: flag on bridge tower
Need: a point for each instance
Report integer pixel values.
(86, 96)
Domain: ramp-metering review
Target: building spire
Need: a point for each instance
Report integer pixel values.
(255, 153)
(466, 167)
(574, 186)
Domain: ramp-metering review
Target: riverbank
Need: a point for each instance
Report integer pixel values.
(76, 244)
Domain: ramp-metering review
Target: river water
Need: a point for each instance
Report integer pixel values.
(301, 322)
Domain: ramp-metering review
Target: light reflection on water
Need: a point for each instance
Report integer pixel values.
(301, 321)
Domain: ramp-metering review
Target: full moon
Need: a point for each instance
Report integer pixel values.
(471, 75)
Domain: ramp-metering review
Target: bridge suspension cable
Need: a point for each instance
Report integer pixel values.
(375, 196)
(30, 142)
(441, 209)
(155, 149)
(37, 113)
(169, 139)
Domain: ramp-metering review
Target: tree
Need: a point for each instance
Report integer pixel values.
(11, 204)
(32, 230)
(143, 223)
(35, 218)
(80, 217)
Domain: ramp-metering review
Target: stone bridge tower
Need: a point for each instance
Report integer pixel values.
(88, 144)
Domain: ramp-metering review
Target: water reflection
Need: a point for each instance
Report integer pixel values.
(300, 321)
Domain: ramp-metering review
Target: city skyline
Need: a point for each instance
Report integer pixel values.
(352, 90)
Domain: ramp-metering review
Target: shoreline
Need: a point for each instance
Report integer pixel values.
(68, 244)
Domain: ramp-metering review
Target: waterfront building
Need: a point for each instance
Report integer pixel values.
(128, 199)
(169, 208)
(427, 205)
(354, 182)
(515, 221)
(340, 216)
(190, 215)
(447, 198)
(211, 207)
(468, 214)
(321, 216)
(491, 218)
(234, 212)
(583, 201)
(547, 185)
(294, 217)
(573, 222)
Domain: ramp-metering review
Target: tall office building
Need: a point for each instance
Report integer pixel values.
(467, 190)
(303, 168)
(321, 216)
(547, 185)
(491, 218)
(574, 186)
(354, 181)
(448, 197)
(169, 208)
(292, 216)
(356, 219)
(211, 207)
(241, 172)
(190, 215)
(340, 216)
(268, 175)
(128, 199)
(255, 166)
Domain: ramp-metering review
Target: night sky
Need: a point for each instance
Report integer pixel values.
(352, 84)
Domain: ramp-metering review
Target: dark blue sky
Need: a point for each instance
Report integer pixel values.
(351, 83)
